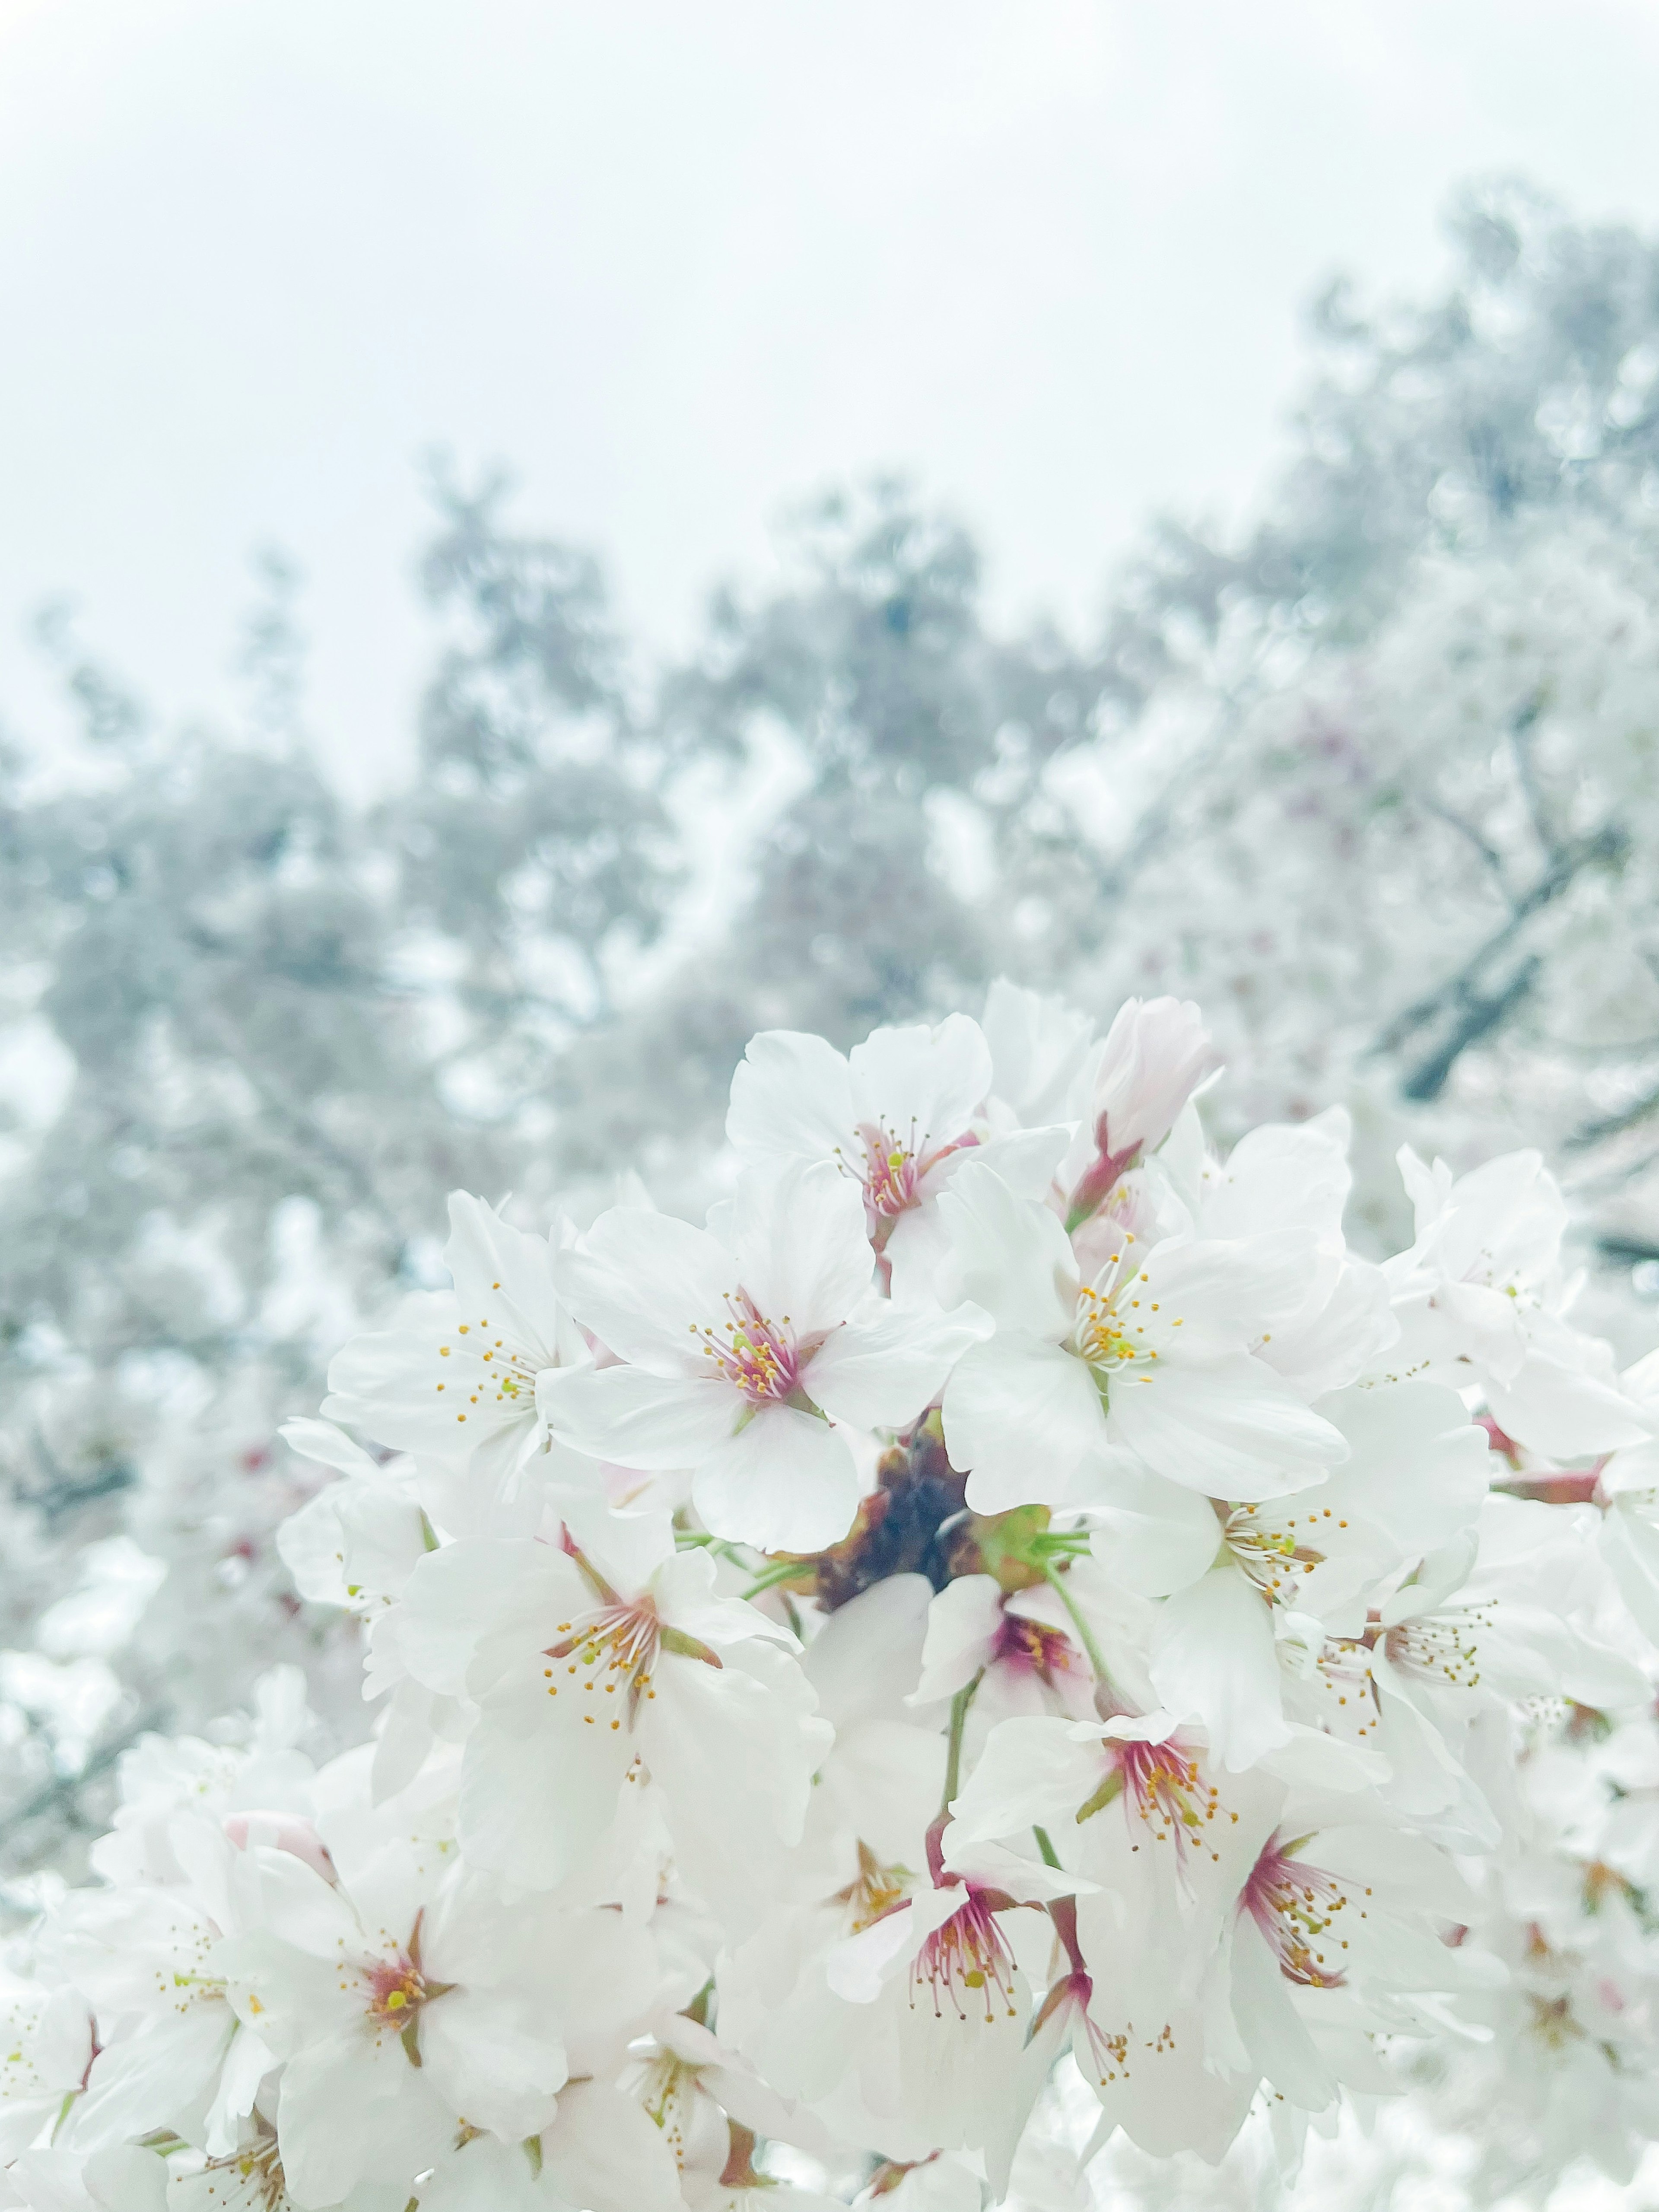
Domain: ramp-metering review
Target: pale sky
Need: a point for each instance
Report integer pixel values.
(679, 266)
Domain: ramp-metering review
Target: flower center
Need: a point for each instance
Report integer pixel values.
(611, 1651)
(761, 1357)
(1441, 1647)
(890, 1166)
(1162, 1787)
(1295, 1906)
(873, 1893)
(257, 2175)
(397, 1991)
(1270, 1552)
(488, 1370)
(1033, 1647)
(967, 1964)
(1112, 1312)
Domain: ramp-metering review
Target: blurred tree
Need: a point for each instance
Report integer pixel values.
(1375, 782)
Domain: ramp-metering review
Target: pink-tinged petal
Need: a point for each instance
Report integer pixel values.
(635, 1418)
(922, 1085)
(1150, 1062)
(644, 1283)
(1213, 1660)
(785, 1482)
(792, 1099)
(802, 1249)
(1011, 1255)
(1025, 1420)
(1230, 1428)
(890, 1362)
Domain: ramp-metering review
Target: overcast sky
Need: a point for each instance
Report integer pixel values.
(680, 264)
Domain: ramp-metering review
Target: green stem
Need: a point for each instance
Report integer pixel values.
(1085, 1635)
(1050, 1856)
(959, 1705)
(781, 1570)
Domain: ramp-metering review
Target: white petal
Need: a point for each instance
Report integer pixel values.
(1418, 1469)
(1272, 2030)
(1213, 1660)
(963, 1623)
(481, 1587)
(1030, 1772)
(638, 1418)
(1025, 1419)
(792, 1099)
(503, 1277)
(923, 1085)
(604, 2152)
(1230, 1428)
(644, 1283)
(538, 1792)
(1155, 1536)
(785, 1482)
(802, 1250)
(868, 1653)
(495, 2055)
(1557, 1409)
(1013, 1258)
(889, 1361)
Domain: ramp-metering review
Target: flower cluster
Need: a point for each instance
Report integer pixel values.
(1013, 1606)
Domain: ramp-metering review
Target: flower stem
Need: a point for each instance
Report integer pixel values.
(959, 1704)
(1085, 1635)
(1050, 1856)
(779, 1571)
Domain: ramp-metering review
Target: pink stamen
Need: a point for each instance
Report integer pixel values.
(1295, 1906)
(893, 1170)
(1032, 1647)
(966, 1964)
(762, 1358)
(1163, 1787)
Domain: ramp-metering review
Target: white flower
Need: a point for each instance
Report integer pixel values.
(742, 1353)
(455, 1379)
(942, 1974)
(593, 1671)
(408, 1998)
(1478, 1298)
(888, 1115)
(1154, 1357)
(47, 2047)
(1414, 1482)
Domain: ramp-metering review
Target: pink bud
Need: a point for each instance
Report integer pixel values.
(282, 1832)
(1155, 1054)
